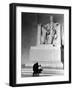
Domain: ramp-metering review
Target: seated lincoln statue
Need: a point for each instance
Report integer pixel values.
(50, 33)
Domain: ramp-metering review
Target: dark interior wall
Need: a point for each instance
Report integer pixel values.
(29, 30)
(44, 18)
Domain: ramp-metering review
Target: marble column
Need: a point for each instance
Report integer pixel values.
(38, 34)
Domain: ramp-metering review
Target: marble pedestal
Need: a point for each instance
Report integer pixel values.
(46, 55)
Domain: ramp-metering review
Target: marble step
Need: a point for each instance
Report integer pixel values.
(44, 73)
(44, 64)
(44, 69)
(29, 71)
(41, 74)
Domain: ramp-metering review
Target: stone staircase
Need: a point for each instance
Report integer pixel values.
(48, 70)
